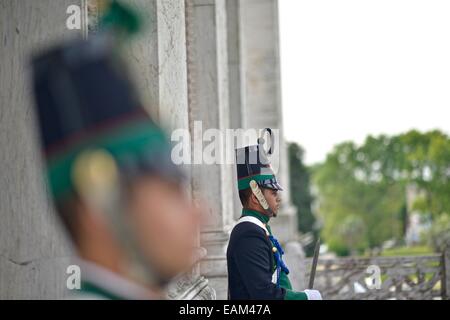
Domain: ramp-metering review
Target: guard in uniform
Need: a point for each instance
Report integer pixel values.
(256, 269)
(118, 193)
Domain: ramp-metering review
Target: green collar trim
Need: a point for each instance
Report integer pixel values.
(261, 217)
(244, 183)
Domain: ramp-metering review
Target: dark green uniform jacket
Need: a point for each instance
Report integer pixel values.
(251, 264)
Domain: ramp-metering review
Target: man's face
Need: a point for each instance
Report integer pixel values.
(273, 199)
(166, 225)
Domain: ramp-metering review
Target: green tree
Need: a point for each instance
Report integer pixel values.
(368, 183)
(301, 194)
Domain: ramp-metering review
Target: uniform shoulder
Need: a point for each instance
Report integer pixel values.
(247, 229)
(247, 238)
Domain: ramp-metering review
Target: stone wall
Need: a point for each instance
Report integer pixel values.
(214, 61)
(34, 254)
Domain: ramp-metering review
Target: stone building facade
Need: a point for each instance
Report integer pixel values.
(215, 61)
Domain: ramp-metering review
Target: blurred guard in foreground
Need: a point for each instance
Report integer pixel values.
(108, 164)
(256, 269)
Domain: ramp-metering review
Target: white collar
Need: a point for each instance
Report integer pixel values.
(253, 220)
(113, 282)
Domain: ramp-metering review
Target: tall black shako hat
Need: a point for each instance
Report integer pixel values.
(84, 101)
(252, 163)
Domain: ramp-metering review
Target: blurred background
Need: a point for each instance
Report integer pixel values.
(366, 108)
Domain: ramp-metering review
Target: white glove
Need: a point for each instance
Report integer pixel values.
(313, 294)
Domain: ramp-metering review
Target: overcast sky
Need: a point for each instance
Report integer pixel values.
(353, 68)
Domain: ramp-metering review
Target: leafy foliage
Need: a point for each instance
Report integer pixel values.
(301, 194)
(439, 234)
(361, 189)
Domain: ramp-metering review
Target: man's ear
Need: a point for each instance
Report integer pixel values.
(253, 200)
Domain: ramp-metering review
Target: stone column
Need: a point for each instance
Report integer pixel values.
(234, 76)
(158, 61)
(209, 108)
(261, 90)
(34, 254)
(157, 57)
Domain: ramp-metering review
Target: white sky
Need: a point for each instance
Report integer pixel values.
(353, 68)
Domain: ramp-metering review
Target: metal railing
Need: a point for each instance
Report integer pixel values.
(412, 277)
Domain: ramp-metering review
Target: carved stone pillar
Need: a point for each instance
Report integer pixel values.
(234, 76)
(261, 90)
(209, 108)
(158, 62)
(34, 253)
